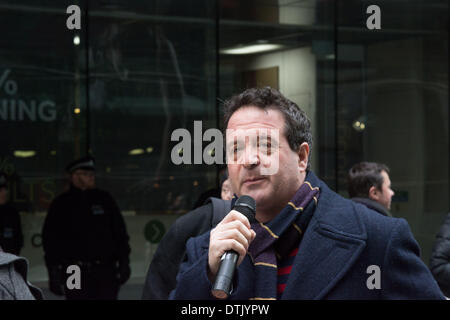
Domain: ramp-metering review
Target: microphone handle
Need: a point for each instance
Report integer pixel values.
(223, 284)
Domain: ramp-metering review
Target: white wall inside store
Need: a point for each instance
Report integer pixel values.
(297, 79)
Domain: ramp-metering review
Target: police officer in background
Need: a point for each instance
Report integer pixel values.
(11, 237)
(84, 227)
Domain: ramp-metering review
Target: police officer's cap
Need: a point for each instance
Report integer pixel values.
(3, 180)
(85, 163)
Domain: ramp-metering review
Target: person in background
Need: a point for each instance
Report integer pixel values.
(13, 279)
(369, 184)
(440, 257)
(227, 191)
(13, 268)
(11, 236)
(84, 227)
(213, 192)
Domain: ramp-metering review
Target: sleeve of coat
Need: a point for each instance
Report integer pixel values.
(161, 275)
(13, 280)
(192, 279)
(403, 274)
(440, 257)
(163, 269)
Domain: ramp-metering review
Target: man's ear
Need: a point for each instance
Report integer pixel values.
(374, 193)
(303, 153)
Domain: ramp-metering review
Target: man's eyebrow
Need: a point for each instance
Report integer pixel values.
(232, 143)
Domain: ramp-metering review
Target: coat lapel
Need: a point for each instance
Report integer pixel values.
(331, 245)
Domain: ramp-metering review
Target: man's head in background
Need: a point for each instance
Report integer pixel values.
(82, 173)
(370, 180)
(226, 191)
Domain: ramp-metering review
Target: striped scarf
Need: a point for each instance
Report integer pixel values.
(277, 239)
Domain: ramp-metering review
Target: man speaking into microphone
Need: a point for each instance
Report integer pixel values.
(307, 242)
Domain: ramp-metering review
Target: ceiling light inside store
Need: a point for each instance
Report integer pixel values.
(255, 48)
(359, 126)
(24, 153)
(77, 110)
(136, 152)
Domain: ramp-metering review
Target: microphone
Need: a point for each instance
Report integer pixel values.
(222, 285)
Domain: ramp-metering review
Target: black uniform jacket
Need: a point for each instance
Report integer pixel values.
(11, 237)
(84, 226)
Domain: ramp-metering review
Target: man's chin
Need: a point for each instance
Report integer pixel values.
(257, 195)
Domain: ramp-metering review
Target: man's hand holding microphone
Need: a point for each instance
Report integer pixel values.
(228, 245)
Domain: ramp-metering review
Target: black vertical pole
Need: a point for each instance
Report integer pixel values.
(336, 109)
(217, 21)
(86, 40)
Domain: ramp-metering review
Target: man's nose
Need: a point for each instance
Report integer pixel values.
(251, 157)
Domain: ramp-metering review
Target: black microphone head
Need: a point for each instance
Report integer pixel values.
(247, 206)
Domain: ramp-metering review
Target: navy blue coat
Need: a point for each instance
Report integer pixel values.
(342, 241)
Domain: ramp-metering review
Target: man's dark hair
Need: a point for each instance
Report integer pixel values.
(297, 124)
(362, 176)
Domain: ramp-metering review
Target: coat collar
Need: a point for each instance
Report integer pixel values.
(332, 243)
(371, 204)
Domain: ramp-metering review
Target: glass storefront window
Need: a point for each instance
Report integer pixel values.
(392, 106)
(116, 89)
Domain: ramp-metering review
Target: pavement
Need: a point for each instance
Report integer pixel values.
(132, 290)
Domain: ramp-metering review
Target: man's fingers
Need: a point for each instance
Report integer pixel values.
(238, 225)
(232, 244)
(218, 248)
(234, 234)
(235, 215)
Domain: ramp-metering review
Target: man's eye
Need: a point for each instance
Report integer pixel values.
(236, 149)
(266, 146)
(233, 151)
